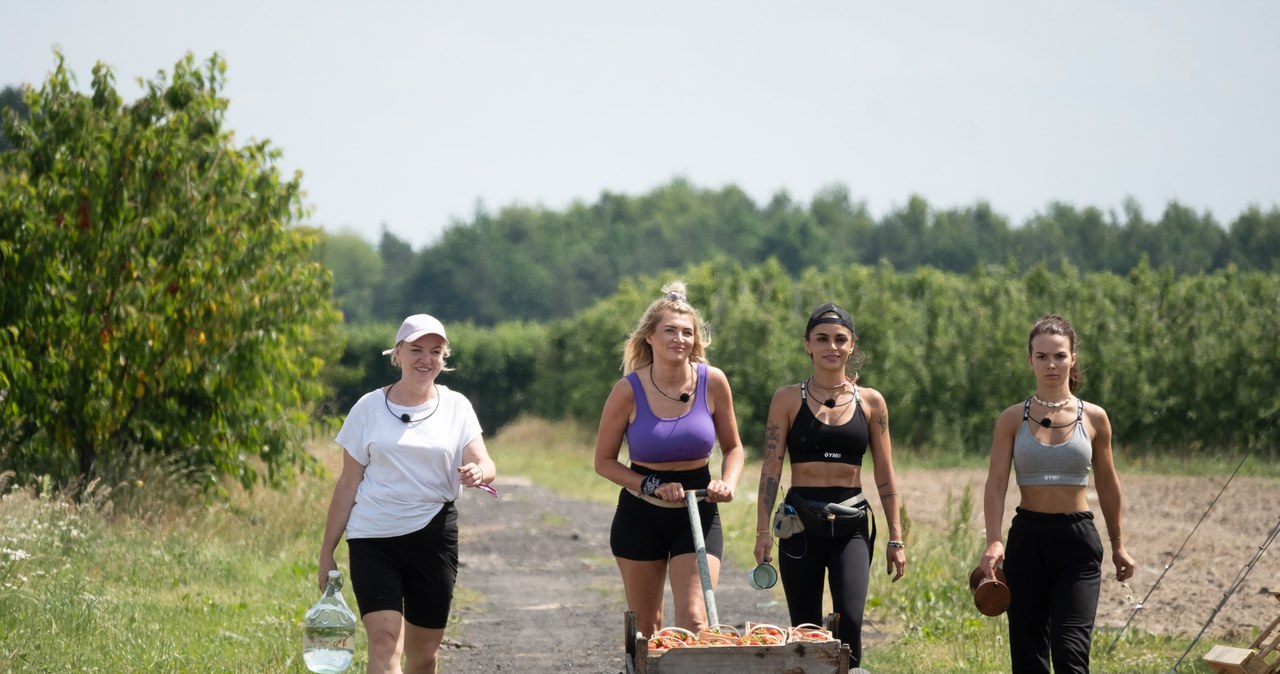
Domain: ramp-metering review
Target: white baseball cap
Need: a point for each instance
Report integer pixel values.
(416, 326)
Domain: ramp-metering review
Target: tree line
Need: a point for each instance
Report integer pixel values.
(536, 264)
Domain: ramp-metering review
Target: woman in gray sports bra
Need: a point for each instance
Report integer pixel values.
(1053, 558)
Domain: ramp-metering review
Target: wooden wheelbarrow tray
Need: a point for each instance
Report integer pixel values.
(830, 657)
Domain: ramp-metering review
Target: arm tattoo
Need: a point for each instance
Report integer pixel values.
(884, 422)
(770, 493)
(771, 435)
(769, 488)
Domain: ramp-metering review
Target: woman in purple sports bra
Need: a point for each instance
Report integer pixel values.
(1053, 558)
(824, 426)
(672, 408)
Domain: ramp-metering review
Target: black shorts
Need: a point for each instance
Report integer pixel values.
(412, 574)
(646, 532)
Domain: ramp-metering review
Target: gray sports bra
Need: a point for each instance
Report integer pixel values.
(1064, 464)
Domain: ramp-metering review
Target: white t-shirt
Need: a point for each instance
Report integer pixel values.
(411, 469)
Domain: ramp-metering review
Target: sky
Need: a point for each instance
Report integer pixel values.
(411, 116)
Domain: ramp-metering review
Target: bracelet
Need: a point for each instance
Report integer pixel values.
(896, 544)
(1116, 538)
(764, 533)
(650, 484)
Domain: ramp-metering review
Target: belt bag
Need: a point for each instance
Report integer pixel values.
(830, 520)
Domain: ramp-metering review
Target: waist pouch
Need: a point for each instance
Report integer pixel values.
(830, 520)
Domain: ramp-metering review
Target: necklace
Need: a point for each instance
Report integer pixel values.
(684, 397)
(830, 402)
(386, 400)
(813, 383)
(1052, 406)
(1044, 421)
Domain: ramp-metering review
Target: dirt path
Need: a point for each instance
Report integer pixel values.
(549, 594)
(543, 593)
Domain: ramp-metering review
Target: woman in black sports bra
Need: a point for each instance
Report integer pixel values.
(825, 425)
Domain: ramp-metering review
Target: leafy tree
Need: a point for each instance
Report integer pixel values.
(1093, 242)
(794, 238)
(847, 225)
(1191, 244)
(391, 298)
(1043, 239)
(156, 296)
(900, 238)
(357, 274)
(963, 239)
(11, 100)
(1255, 240)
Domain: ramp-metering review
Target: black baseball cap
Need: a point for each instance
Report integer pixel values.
(841, 317)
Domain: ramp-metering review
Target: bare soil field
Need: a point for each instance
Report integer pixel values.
(1158, 515)
(542, 593)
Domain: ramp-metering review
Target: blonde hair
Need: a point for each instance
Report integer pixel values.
(638, 353)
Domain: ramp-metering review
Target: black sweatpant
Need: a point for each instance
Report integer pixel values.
(805, 559)
(1053, 564)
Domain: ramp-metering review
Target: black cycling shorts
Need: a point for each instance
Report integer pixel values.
(413, 574)
(646, 532)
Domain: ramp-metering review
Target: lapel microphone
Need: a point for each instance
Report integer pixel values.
(386, 400)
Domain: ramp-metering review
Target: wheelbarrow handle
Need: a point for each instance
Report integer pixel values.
(700, 547)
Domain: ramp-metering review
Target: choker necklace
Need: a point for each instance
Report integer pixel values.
(684, 397)
(386, 400)
(1052, 406)
(830, 402)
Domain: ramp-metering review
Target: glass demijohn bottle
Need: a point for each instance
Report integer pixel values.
(329, 631)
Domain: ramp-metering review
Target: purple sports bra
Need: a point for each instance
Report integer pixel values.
(689, 436)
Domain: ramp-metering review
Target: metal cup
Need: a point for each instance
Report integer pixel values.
(762, 577)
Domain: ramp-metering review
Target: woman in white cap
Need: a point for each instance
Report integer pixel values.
(410, 449)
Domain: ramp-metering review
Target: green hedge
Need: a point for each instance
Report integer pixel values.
(1181, 363)
(494, 367)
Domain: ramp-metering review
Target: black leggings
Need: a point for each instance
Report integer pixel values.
(1053, 563)
(805, 559)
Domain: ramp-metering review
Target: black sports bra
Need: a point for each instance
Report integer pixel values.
(810, 440)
